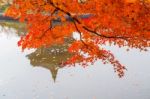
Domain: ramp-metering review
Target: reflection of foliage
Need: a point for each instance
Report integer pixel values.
(3, 8)
(9, 22)
(19, 27)
(51, 58)
(4, 4)
(7, 31)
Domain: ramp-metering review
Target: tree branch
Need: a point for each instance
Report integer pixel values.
(79, 33)
(104, 36)
(84, 27)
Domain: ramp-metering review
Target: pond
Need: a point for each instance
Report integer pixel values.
(34, 74)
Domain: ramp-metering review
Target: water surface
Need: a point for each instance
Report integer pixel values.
(25, 75)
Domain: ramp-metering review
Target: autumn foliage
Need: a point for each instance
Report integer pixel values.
(98, 22)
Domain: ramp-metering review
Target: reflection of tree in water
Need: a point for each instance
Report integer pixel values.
(51, 57)
(9, 32)
(20, 28)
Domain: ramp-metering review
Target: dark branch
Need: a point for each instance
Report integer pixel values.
(79, 33)
(104, 36)
(43, 34)
(74, 19)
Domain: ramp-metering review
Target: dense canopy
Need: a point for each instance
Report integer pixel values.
(98, 22)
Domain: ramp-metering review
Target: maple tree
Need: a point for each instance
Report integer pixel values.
(98, 22)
